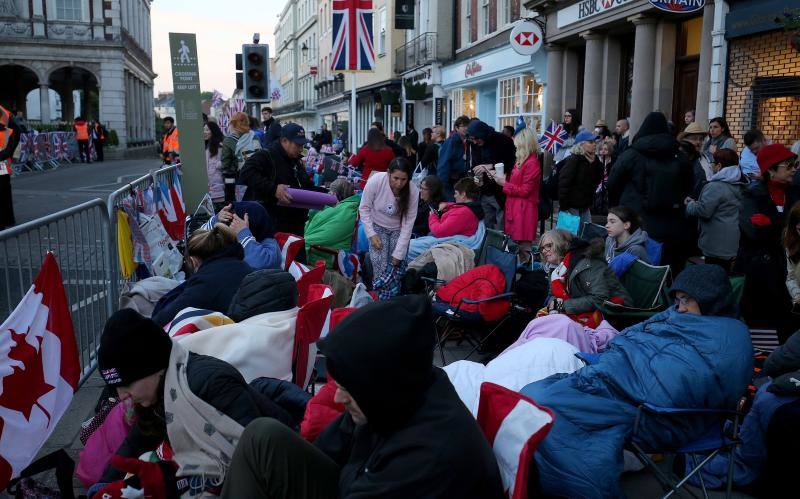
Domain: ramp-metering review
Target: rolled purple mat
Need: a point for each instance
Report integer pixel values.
(310, 200)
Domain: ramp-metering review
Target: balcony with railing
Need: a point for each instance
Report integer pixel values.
(415, 53)
(329, 88)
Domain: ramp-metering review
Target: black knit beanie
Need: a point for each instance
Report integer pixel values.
(132, 347)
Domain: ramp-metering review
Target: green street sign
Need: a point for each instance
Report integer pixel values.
(189, 117)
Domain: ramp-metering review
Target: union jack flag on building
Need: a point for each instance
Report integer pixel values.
(553, 138)
(352, 36)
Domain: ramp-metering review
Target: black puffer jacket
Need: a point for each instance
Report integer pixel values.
(263, 291)
(419, 439)
(577, 182)
(653, 178)
(212, 287)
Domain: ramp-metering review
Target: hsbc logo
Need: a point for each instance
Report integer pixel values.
(527, 38)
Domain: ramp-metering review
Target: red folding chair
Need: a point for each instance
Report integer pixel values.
(311, 319)
(304, 283)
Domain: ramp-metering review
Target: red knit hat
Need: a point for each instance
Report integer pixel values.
(773, 154)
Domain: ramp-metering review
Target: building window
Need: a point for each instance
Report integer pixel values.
(69, 10)
(382, 32)
(485, 17)
(467, 22)
(520, 96)
(464, 102)
(504, 16)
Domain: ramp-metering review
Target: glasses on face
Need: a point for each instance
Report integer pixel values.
(682, 300)
(546, 248)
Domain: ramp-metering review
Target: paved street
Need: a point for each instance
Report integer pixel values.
(37, 194)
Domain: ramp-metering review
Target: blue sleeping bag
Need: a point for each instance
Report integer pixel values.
(672, 360)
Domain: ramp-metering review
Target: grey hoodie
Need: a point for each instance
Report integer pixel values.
(717, 210)
(636, 245)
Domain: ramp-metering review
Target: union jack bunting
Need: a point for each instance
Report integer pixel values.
(553, 138)
(352, 38)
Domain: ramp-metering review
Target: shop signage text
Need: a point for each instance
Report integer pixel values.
(472, 69)
(586, 9)
(679, 6)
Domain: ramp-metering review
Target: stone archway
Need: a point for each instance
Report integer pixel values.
(15, 84)
(78, 90)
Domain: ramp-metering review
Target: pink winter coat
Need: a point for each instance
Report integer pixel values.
(458, 219)
(522, 200)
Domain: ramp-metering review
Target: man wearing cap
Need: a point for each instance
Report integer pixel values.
(765, 205)
(269, 172)
(579, 176)
(410, 438)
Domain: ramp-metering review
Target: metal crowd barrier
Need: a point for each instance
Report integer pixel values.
(116, 198)
(81, 239)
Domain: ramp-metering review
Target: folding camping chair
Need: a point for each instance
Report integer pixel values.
(721, 437)
(452, 320)
(647, 285)
(310, 323)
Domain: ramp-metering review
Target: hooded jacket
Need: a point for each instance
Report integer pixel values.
(717, 210)
(653, 178)
(451, 164)
(261, 251)
(709, 286)
(577, 182)
(496, 148)
(590, 281)
(456, 219)
(636, 244)
(419, 439)
(212, 287)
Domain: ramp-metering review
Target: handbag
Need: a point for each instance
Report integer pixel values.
(420, 172)
(568, 222)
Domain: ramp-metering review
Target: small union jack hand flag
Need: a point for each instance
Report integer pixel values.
(553, 138)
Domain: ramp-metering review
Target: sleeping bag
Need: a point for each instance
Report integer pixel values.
(672, 360)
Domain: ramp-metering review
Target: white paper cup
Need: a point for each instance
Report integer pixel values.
(499, 169)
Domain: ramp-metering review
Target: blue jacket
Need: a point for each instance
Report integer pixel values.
(669, 360)
(451, 159)
(211, 287)
(264, 254)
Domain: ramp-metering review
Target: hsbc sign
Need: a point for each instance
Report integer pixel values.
(586, 9)
(526, 38)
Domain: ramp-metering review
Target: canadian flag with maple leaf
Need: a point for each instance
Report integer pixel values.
(39, 370)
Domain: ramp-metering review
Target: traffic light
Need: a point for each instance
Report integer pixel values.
(255, 60)
(239, 78)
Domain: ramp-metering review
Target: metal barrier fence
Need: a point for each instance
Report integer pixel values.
(80, 237)
(117, 198)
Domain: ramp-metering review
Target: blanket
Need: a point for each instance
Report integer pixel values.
(419, 245)
(451, 259)
(560, 326)
(672, 360)
(513, 369)
(260, 346)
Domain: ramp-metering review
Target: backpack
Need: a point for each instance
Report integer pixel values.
(662, 184)
(245, 147)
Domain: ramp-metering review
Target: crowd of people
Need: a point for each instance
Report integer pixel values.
(391, 424)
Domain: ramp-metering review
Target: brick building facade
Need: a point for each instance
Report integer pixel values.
(764, 87)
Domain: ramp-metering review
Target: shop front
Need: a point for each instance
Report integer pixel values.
(613, 59)
(497, 87)
(763, 87)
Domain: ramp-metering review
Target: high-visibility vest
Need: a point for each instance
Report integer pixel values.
(81, 131)
(5, 137)
(170, 144)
